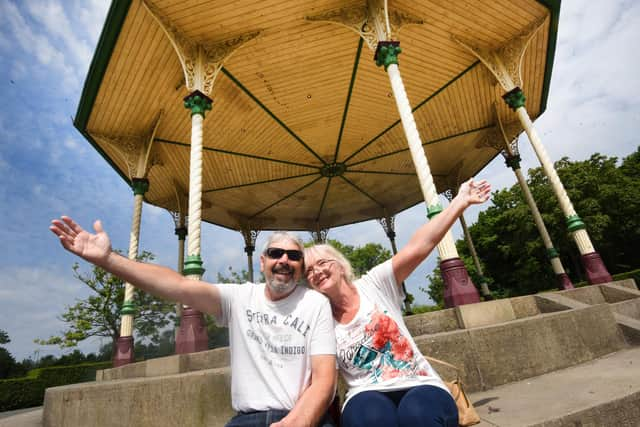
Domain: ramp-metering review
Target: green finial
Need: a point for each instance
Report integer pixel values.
(193, 266)
(552, 253)
(140, 186)
(387, 53)
(514, 98)
(198, 103)
(129, 307)
(433, 210)
(574, 223)
(513, 161)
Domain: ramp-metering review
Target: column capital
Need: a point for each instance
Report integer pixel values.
(514, 98)
(512, 160)
(181, 232)
(574, 223)
(140, 186)
(193, 266)
(387, 53)
(197, 102)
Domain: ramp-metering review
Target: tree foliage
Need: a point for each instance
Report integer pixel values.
(362, 258)
(607, 198)
(98, 315)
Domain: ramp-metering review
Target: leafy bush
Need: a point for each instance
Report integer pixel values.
(29, 391)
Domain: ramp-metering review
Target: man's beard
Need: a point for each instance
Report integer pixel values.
(279, 287)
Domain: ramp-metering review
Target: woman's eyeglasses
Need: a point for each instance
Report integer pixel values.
(292, 254)
(320, 264)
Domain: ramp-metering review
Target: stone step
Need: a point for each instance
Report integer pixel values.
(601, 392)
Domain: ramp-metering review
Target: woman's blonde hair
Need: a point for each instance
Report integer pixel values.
(327, 251)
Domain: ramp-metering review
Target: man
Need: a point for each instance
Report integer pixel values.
(282, 342)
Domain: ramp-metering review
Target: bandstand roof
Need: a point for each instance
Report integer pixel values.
(303, 95)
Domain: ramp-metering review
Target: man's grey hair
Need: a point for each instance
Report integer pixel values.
(278, 236)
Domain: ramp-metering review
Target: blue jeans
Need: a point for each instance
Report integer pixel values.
(422, 406)
(265, 418)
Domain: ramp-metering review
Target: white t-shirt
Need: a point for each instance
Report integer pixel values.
(375, 349)
(271, 343)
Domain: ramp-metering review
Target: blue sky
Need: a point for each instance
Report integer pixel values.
(48, 169)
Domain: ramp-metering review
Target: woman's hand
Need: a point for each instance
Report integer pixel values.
(473, 193)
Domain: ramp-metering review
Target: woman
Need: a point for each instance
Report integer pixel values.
(390, 382)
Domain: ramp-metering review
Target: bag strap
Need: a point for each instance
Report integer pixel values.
(442, 362)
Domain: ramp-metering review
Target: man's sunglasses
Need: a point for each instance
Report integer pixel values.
(292, 254)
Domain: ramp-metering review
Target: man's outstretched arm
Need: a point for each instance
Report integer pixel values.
(154, 279)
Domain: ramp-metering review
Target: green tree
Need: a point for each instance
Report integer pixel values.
(98, 315)
(607, 198)
(4, 337)
(362, 258)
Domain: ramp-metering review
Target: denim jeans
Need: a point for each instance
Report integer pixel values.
(422, 406)
(265, 418)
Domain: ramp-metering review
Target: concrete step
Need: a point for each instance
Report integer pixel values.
(600, 393)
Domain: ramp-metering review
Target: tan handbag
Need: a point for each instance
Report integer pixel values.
(467, 415)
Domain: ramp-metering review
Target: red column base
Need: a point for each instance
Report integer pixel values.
(458, 287)
(564, 282)
(192, 335)
(124, 352)
(595, 269)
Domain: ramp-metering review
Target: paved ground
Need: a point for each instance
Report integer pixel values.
(532, 401)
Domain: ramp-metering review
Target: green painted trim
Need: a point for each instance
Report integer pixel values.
(233, 153)
(354, 72)
(515, 98)
(434, 210)
(513, 161)
(362, 191)
(554, 11)
(324, 198)
(198, 103)
(552, 253)
(424, 144)
(129, 307)
(285, 197)
(139, 186)
(427, 99)
(384, 173)
(193, 266)
(387, 53)
(574, 223)
(101, 57)
(270, 113)
(267, 181)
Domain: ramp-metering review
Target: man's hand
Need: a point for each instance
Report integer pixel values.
(473, 193)
(94, 248)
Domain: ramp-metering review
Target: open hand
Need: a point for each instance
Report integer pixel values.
(94, 248)
(472, 192)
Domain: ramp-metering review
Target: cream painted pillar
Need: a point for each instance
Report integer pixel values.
(124, 344)
(250, 237)
(319, 235)
(388, 225)
(505, 64)
(512, 160)
(201, 63)
(459, 289)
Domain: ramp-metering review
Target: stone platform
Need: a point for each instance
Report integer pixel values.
(517, 356)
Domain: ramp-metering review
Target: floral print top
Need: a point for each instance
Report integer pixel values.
(375, 349)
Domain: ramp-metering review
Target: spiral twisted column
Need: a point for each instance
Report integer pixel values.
(563, 280)
(459, 289)
(192, 335)
(124, 344)
(591, 261)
